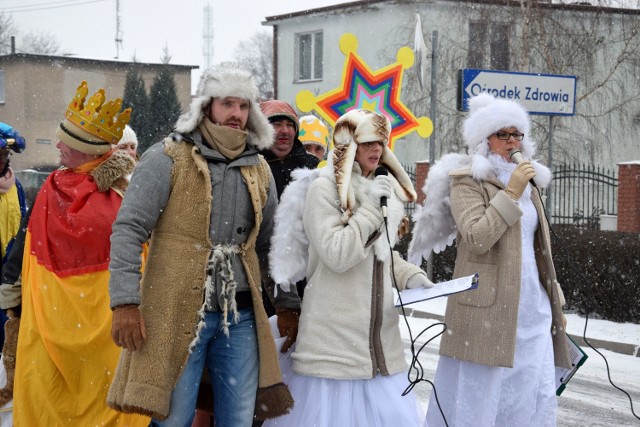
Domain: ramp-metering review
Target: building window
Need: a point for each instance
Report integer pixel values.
(492, 39)
(308, 50)
(3, 93)
(43, 141)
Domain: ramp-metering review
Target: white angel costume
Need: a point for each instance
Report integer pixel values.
(348, 367)
(497, 357)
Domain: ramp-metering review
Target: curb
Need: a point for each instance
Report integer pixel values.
(617, 347)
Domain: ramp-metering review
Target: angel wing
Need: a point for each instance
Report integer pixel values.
(434, 227)
(288, 257)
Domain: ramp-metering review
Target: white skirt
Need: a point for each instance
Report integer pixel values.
(324, 402)
(474, 395)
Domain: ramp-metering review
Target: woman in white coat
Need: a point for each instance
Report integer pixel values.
(349, 361)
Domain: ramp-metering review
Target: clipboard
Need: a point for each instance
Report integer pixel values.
(563, 375)
(461, 284)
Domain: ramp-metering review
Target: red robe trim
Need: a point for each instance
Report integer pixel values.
(70, 209)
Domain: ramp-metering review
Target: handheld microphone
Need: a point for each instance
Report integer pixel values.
(516, 157)
(381, 170)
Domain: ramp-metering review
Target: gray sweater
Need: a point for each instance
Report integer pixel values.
(232, 219)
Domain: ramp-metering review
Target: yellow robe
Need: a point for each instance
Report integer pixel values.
(66, 358)
(10, 220)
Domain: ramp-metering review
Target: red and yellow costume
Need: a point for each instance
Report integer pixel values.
(66, 358)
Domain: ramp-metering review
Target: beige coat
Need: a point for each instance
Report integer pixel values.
(145, 379)
(482, 323)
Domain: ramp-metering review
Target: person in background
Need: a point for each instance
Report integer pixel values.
(349, 365)
(65, 362)
(285, 155)
(13, 208)
(207, 199)
(129, 143)
(287, 152)
(497, 356)
(314, 135)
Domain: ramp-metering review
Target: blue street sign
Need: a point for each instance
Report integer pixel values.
(538, 93)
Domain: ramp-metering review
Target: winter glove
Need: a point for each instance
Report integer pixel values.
(9, 350)
(519, 180)
(127, 328)
(381, 187)
(404, 227)
(288, 326)
(9, 138)
(419, 280)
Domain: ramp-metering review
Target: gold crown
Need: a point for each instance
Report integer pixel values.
(102, 121)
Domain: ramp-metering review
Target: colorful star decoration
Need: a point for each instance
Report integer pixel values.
(372, 90)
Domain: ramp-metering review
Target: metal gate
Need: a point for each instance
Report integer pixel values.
(581, 193)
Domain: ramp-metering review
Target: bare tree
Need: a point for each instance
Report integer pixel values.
(599, 46)
(7, 29)
(256, 56)
(41, 42)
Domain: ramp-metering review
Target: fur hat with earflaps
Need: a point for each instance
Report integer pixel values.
(228, 81)
(357, 127)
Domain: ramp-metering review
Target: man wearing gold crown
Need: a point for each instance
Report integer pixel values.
(66, 359)
(206, 198)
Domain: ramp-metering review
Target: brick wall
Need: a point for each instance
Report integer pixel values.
(422, 170)
(629, 197)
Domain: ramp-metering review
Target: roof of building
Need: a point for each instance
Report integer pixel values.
(78, 60)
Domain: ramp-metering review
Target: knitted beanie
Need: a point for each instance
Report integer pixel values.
(488, 115)
(313, 131)
(275, 110)
(128, 136)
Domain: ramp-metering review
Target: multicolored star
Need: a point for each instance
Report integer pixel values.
(372, 90)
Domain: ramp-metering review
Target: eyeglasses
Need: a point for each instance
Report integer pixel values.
(504, 136)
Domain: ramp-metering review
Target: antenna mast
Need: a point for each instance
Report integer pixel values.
(207, 36)
(118, 38)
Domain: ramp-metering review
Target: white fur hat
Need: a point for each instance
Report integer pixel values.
(220, 82)
(357, 127)
(487, 115)
(128, 135)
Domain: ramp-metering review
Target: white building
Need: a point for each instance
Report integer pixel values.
(598, 45)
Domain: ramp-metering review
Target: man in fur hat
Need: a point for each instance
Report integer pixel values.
(65, 357)
(206, 199)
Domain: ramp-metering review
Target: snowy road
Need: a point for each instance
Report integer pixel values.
(588, 400)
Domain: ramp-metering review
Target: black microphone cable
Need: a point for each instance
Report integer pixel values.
(415, 365)
(587, 307)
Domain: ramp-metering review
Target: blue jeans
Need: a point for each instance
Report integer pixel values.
(233, 367)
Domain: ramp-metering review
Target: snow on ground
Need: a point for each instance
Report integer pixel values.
(589, 399)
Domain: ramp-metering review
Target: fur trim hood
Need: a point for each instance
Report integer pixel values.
(221, 82)
(487, 115)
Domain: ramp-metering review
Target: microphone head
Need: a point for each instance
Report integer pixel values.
(516, 156)
(381, 170)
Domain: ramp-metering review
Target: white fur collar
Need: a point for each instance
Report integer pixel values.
(483, 169)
